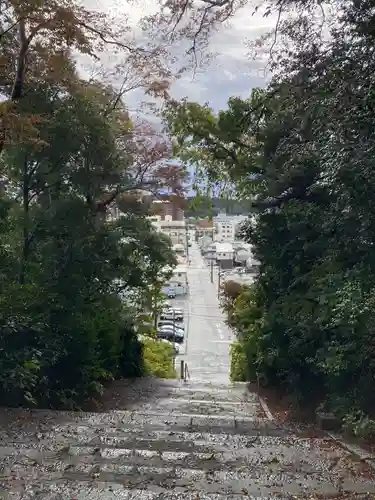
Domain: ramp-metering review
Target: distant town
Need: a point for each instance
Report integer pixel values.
(218, 238)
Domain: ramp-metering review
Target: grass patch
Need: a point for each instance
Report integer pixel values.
(158, 358)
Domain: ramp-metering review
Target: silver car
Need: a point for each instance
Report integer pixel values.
(171, 323)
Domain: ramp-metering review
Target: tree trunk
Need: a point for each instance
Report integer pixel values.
(19, 79)
(26, 223)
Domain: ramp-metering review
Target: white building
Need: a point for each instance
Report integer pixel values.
(175, 229)
(252, 263)
(226, 226)
(179, 281)
(242, 251)
(224, 255)
(210, 251)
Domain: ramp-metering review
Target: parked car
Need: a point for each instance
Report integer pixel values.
(170, 293)
(170, 322)
(179, 331)
(171, 335)
(172, 314)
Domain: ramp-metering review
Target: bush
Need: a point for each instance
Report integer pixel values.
(238, 362)
(158, 358)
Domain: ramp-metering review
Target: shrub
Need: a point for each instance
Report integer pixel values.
(158, 358)
(238, 362)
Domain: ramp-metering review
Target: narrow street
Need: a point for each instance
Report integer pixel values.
(206, 348)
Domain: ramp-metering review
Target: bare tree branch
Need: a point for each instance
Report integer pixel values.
(13, 25)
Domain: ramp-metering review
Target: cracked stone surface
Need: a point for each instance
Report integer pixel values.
(172, 448)
(169, 440)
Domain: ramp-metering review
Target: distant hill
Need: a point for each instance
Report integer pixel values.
(209, 207)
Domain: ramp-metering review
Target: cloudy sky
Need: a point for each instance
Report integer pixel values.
(232, 72)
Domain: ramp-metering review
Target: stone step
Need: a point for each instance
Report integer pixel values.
(195, 384)
(201, 408)
(174, 479)
(146, 391)
(178, 441)
(104, 491)
(144, 424)
(166, 451)
(210, 464)
(63, 435)
(218, 397)
(200, 391)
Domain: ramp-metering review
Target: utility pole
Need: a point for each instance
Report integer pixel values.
(212, 270)
(174, 340)
(174, 322)
(154, 307)
(187, 241)
(218, 282)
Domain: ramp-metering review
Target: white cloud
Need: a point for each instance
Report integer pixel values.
(230, 72)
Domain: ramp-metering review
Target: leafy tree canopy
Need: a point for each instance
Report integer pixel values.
(302, 150)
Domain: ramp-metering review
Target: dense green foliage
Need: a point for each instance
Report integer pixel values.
(303, 150)
(158, 358)
(72, 284)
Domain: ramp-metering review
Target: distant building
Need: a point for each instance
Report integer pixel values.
(224, 255)
(242, 252)
(176, 230)
(227, 226)
(179, 281)
(252, 264)
(204, 228)
(209, 251)
(166, 208)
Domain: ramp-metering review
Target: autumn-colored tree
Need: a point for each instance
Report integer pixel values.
(154, 175)
(37, 40)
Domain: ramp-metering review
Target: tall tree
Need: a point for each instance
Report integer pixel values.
(303, 150)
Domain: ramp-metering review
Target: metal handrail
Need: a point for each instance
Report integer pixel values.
(186, 373)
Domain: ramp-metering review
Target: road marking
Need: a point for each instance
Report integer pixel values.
(221, 341)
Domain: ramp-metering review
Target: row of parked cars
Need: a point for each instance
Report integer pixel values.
(170, 325)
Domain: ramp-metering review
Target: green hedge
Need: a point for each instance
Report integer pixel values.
(158, 358)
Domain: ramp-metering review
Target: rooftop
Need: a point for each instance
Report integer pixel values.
(172, 223)
(224, 247)
(204, 224)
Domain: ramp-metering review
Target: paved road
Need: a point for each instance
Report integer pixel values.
(206, 349)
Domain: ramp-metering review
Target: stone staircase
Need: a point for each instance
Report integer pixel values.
(175, 440)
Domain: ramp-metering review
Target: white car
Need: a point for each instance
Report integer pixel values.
(172, 314)
(170, 328)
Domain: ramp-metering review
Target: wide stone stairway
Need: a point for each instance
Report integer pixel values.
(172, 440)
